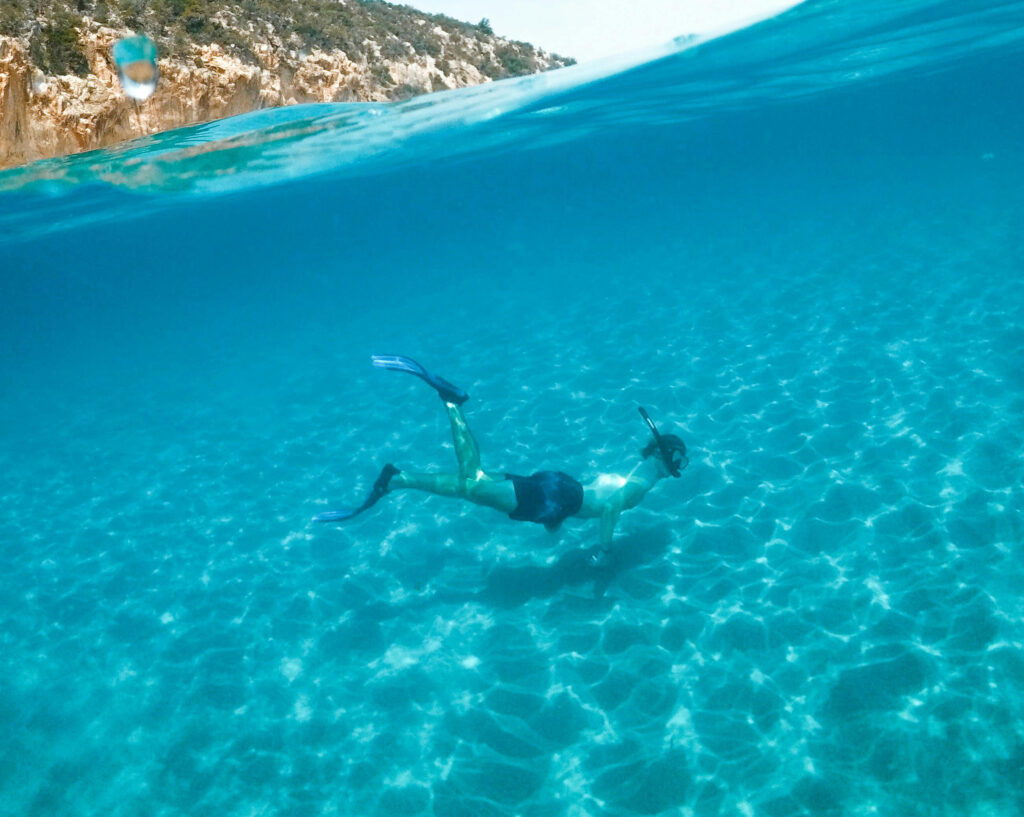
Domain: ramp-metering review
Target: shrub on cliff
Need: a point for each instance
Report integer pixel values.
(11, 19)
(55, 49)
(514, 61)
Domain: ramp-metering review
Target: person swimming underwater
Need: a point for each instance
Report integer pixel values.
(546, 497)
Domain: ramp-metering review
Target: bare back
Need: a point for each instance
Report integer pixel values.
(616, 493)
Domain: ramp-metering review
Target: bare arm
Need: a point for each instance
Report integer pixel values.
(610, 494)
(609, 518)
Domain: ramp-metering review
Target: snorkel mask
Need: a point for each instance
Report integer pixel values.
(668, 448)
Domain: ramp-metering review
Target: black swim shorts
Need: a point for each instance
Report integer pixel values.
(547, 497)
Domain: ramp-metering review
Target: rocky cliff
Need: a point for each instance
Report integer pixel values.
(59, 93)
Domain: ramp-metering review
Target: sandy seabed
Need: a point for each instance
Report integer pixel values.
(823, 616)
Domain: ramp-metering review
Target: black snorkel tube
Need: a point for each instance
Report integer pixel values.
(666, 452)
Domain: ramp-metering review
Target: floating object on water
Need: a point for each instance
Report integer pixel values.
(135, 58)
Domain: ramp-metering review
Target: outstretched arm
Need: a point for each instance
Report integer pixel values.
(610, 494)
(609, 517)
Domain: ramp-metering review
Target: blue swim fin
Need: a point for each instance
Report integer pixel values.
(335, 516)
(380, 488)
(449, 392)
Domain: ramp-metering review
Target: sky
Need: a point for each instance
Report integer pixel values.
(590, 29)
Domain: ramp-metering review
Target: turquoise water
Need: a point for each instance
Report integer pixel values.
(800, 246)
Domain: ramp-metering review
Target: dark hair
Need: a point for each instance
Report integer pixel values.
(670, 441)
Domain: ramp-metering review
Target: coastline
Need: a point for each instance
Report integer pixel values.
(46, 116)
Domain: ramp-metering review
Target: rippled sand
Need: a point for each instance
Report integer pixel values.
(823, 616)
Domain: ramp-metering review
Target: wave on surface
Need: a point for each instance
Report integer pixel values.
(817, 47)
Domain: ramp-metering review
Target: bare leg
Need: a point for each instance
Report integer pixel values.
(467, 452)
(494, 493)
(440, 484)
(471, 482)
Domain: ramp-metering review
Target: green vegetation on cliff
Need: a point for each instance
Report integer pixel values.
(55, 45)
(366, 30)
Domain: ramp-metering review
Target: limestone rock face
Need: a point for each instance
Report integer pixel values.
(14, 91)
(43, 116)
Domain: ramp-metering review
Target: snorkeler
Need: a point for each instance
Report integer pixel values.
(547, 497)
